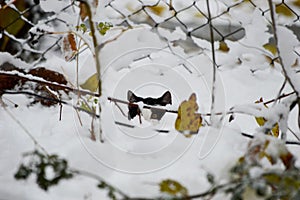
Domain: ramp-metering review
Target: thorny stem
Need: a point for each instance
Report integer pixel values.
(212, 109)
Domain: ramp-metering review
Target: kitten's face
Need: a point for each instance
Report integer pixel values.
(165, 99)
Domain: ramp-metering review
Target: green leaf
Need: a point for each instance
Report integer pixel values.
(85, 106)
(23, 172)
(91, 84)
(38, 164)
(103, 27)
(210, 178)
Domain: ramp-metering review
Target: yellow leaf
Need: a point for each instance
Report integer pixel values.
(173, 188)
(223, 46)
(91, 83)
(261, 121)
(187, 118)
(199, 15)
(296, 3)
(158, 9)
(270, 47)
(282, 9)
(275, 130)
(11, 22)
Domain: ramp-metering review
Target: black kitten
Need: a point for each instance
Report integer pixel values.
(134, 110)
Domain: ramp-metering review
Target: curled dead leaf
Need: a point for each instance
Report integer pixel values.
(69, 47)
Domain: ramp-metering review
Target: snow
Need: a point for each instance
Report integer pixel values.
(135, 159)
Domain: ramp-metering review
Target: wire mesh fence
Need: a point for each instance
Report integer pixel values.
(24, 25)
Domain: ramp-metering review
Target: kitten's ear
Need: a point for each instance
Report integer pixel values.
(129, 94)
(166, 98)
(131, 97)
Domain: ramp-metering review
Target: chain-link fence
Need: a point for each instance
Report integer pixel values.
(22, 22)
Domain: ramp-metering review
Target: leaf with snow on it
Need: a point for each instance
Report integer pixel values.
(261, 122)
(173, 188)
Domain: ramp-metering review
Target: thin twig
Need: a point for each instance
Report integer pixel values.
(280, 90)
(212, 109)
(51, 99)
(133, 126)
(121, 110)
(290, 142)
(296, 136)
